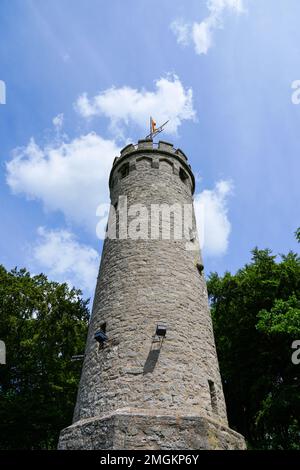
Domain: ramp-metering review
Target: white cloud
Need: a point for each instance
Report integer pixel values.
(124, 106)
(181, 31)
(69, 177)
(201, 34)
(212, 218)
(64, 259)
(58, 121)
(216, 7)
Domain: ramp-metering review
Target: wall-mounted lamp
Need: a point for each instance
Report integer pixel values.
(100, 336)
(161, 330)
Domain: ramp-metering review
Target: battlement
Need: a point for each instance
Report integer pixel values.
(147, 146)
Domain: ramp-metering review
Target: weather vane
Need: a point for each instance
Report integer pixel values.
(155, 130)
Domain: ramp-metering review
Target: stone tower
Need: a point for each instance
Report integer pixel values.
(151, 380)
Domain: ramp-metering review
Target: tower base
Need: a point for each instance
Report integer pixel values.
(143, 430)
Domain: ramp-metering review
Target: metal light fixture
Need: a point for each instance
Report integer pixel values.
(100, 336)
(161, 330)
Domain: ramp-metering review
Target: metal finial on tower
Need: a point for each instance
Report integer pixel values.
(155, 130)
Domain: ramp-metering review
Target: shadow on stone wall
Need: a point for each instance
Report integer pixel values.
(153, 356)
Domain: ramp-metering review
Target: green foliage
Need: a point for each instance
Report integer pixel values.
(282, 319)
(43, 324)
(256, 315)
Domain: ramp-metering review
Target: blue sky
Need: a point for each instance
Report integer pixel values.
(231, 65)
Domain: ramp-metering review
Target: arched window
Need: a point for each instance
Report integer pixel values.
(124, 170)
(183, 175)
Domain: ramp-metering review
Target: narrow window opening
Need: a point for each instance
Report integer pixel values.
(103, 327)
(183, 176)
(192, 235)
(124, 171)
(116, 219)
(200, 267)
(213, 396)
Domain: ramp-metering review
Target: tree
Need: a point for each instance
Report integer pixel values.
(43, 325)
(256, 315)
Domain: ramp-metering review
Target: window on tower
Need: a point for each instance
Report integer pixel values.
(183, 175)
(124, 170)
(200, 267)
(213, 396)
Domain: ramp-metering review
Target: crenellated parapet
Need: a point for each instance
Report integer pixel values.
(155, 153)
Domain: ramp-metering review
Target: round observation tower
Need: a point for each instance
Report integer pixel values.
(150, 377)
